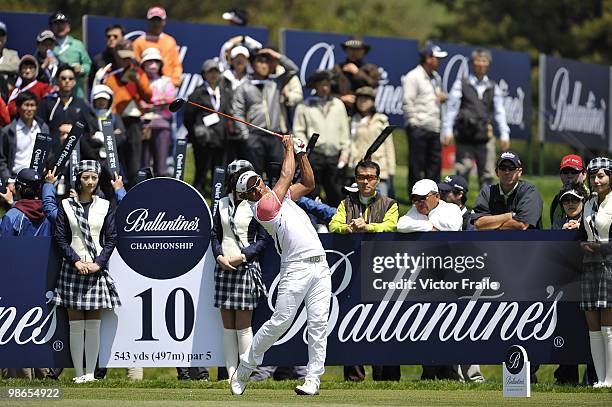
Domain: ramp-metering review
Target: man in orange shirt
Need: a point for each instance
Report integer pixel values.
(130, 87)
(165, 43)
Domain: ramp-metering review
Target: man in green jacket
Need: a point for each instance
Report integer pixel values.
(70, 51)
(365, 210)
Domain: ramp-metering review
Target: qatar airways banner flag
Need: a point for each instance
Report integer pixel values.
(312, 51)
(197, 42)
(575, 103)
(511, 70)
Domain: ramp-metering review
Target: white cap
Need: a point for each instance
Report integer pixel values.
(243, 180)
(424, 187)
(239, 50)
(150, 54)
(351, 188)
(101, 92)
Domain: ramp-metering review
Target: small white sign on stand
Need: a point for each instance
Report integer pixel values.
(517, 377)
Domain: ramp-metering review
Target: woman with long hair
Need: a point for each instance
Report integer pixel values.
(596, 278)
(237, 241)
(85, 233)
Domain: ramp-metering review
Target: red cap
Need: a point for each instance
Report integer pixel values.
(572, 161)
(156, 11)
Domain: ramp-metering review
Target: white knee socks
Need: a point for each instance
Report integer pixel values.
(92, 344)
(77, 334)
(230, 347)
(245, 337)
(606, 333)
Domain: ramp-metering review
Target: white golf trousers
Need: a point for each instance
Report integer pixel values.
(299, 281)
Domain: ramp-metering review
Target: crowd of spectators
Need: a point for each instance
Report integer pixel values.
(132, 83)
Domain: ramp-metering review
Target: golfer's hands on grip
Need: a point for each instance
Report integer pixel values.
(299, 147)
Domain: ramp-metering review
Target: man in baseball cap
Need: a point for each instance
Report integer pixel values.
(69, 50)
(428, 212)
(571, 170)
(26, 217)
(513, 204)
(301, 251)
(454, 189)
(155, 37)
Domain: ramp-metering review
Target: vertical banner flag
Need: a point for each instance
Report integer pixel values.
(575, 103)
(312, 51)
(218, 186)
(180, 155)
(42, 146)
(75, 157)
(110, 145)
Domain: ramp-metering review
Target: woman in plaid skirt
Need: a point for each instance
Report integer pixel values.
(237, 240)
(85, 233)
(596, 278)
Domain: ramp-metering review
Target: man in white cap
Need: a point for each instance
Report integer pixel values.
(304, 272)
(429, 213)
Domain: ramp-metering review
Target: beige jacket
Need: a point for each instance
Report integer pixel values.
(328, 118)
(421, 105)
(363, 133)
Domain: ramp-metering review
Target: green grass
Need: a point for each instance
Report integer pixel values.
(159, 392)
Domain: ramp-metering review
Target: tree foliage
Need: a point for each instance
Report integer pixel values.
(566, 28)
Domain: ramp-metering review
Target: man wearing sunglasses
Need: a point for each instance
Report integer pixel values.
(429, 213)
(365, 210)
(513, 204)
(571, 171)
(304, 272)
(107, 60)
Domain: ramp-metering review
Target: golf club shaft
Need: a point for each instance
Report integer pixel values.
(237, 119)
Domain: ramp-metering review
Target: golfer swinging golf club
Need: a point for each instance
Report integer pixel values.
(304, 273)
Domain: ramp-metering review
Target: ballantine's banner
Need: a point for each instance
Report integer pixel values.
(575, 103)
(511, 70)
(312, 51)
(197, 42)
(473, 294)
(433, 325)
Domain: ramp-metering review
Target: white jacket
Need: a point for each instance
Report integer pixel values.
(421, 105)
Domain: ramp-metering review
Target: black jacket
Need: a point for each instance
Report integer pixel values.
(216, 135)
(52, 111)
(8, 147)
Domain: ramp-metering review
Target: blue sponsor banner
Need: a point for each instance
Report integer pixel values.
(575, 103)
(312, 51)
(447, 330)
(32, 332)
(444, 331)
(512, 72)
(197, 42)
(22, 30)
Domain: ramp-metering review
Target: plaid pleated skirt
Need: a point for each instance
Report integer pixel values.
(89, 292)
(240, 289)
(596, 285)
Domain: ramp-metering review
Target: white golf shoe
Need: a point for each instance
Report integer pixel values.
(239, 380)
(309, 388)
